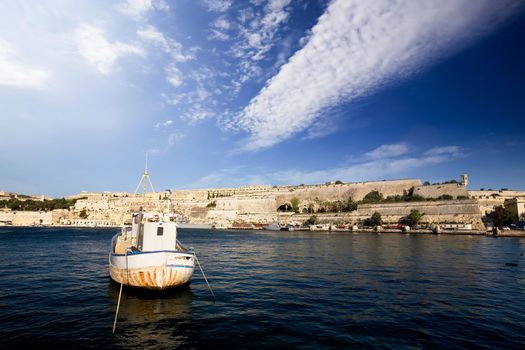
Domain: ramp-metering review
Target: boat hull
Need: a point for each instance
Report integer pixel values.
(152, 270)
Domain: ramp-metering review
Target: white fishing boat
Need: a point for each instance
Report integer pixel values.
(147, 254)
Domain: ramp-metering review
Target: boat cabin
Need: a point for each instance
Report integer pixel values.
(147, 233)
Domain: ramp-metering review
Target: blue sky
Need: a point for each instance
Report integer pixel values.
(226, 93)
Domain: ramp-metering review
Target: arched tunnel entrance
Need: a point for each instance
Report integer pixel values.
(285, 207)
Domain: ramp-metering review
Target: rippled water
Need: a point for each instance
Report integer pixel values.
(283, 289)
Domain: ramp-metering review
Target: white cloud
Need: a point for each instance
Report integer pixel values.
(218, 5)
(366, 169)
(437, 151)
(385, 164)
(219, 27)
(388, 151)
(164, 124)
(98, 51)
(173, 75)
(258, 34)
(172, 47)
(218, 35)
(136, 8)
(197, 113)
(139, 8)
(221, 23)
(16, 74)
(355, 48)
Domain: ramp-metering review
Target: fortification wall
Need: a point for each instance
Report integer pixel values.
(249, 204)
(357, 190)
(487, 194)
(429, 208)
(26, 218)
(92, 204)
(434, 191)
(221, 218)
(489, 200)
(439, 212)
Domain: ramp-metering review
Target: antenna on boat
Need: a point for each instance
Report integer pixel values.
(145, 180)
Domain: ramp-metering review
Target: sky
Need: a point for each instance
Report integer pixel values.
(224, 93)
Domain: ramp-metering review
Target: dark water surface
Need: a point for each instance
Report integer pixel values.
(284, 289)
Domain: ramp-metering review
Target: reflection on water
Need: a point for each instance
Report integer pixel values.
(284, 289)
(151, 317)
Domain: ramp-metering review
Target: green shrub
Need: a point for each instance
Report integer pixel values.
(312, 220)
(295, 204)
(373, 197)
(374, 220)
(413, 218)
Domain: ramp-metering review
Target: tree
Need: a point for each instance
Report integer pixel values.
(312, 220)
(426, 183)
(212, 204)
(295, 204)
(374, 220)
(413, 218)
(502, 216)
(83, 214)
(373, 197)
(339, 182)
(350, 205)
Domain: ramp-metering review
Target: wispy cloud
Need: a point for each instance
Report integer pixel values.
(217, 5)
(387, 151)
(437, 151)
(257, 35)
(139, 8)
(377, 168)
(173, 75)
(165, 124)
(16, 74)
(219, 29)
(152, 35)
(98, 51)
(386, 161)
(355, 48)
(197, 113)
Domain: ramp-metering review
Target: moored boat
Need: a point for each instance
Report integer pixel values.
(147, 254)
(274, 226)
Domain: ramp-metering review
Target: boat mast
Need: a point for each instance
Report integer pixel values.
(145, 180)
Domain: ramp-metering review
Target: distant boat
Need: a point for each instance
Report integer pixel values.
(274, 226)
(147, 254)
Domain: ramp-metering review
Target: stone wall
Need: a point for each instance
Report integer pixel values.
(488, 200)
(454, 211)
(434, 191)
(249, 204)
(259, 204)
(312, 195)
(26, 218)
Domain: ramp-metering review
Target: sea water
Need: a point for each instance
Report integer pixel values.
(273, 289)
